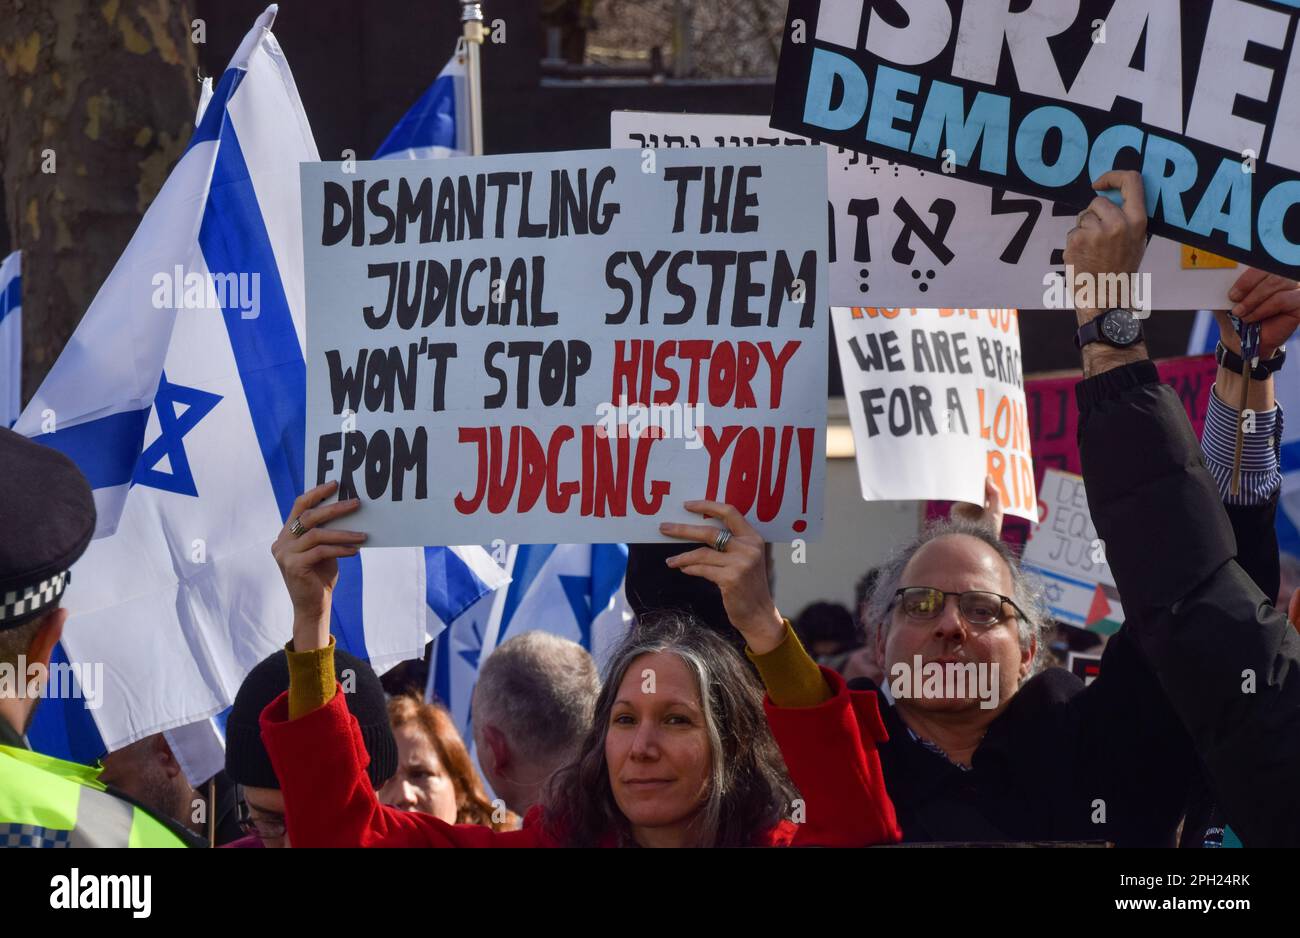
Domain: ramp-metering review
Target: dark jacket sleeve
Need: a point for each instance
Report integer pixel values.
(1133, 751)
(1257, 551)
(1228, 662)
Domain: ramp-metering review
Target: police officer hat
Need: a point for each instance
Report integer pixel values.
(47, 517)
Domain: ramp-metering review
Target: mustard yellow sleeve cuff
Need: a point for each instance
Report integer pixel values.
(311, 678)
(792, 678)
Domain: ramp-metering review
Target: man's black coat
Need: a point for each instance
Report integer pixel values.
(1205, 672)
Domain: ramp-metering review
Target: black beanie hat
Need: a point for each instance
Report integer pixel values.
(247, 761)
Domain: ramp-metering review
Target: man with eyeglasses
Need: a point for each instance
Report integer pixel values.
(261, 817)
(1030, 768)
(1204, 675)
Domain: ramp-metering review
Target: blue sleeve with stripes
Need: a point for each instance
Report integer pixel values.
(1260, 454)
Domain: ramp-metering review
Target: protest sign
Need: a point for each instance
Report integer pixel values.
(1054, 421)
(565, 347)
(1054, 414)
(1085, 667)
(1199, 96)
(1064, 549)
(936, 400)
(912, 237)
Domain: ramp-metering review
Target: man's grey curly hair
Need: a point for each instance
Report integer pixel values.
(1027, 589)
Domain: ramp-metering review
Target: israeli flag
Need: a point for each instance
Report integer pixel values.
(453, 668)
(435, 126)
(181, 396)
(459, 582)
(11, 338)
(572, 590)
(1204, 338)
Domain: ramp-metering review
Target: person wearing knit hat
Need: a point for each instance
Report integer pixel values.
(249, 766)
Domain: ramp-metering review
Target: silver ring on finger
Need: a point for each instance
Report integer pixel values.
(295, 527)
(720, 542)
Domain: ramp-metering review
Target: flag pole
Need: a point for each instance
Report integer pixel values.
(212, 812)
(471, 18)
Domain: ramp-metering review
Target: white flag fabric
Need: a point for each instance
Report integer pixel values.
(11, 338)
(181, 396)
(205, 95)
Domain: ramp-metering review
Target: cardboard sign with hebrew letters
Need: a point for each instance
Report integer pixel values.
(1044, 97)
(909, 237)
(1063, 549)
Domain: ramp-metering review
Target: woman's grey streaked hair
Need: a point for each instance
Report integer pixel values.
(1027, 588)
(749, 790)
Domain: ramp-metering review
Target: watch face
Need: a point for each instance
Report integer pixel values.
(1120, 327)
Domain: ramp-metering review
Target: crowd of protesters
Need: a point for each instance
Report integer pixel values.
(716, 721)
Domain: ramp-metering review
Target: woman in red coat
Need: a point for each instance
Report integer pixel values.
(679, 754)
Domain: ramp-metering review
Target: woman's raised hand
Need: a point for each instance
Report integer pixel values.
(736, 561)
(307, 555)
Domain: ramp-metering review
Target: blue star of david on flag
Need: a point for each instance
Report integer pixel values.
(179, 410)
(469, 654)
(577, 590)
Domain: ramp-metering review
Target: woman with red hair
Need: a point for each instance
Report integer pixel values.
(434, 773)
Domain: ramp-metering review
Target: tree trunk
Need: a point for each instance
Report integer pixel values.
(97, 103)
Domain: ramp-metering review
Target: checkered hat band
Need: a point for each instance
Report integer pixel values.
(19, 603)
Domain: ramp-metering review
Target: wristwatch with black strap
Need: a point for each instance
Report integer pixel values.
(1232, 362)
(1119, 328)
